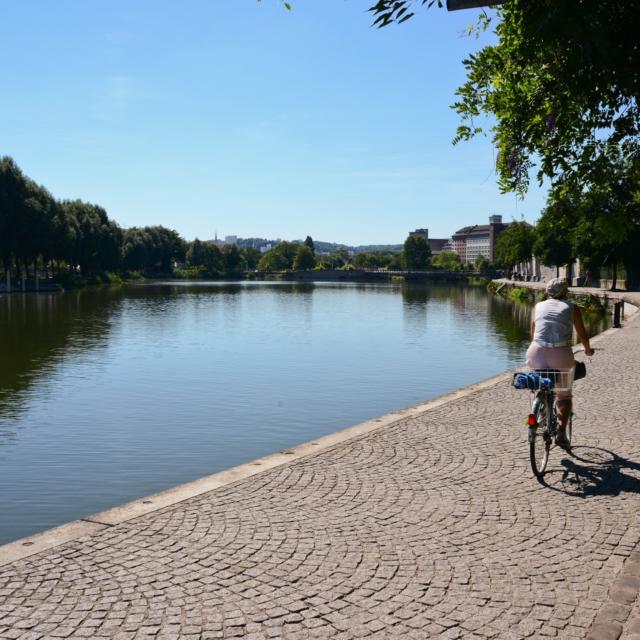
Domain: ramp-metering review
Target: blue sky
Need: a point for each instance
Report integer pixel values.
(243, 118)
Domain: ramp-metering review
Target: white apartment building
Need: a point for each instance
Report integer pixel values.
(478, 239)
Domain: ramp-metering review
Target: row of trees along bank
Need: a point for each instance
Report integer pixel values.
(289, 255)
(415, 256)
(598, 225)
(71, 238)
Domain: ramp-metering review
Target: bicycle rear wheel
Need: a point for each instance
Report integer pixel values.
(540, 436)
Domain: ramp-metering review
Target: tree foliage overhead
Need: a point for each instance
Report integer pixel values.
(562, 84)
(388, 11)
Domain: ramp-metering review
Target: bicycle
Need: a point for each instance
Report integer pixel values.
(542, 421)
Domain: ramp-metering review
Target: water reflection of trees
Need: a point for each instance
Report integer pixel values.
(508, 321)
(39, 330)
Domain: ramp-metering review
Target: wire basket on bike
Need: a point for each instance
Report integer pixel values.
(557, 380)
(545, 387)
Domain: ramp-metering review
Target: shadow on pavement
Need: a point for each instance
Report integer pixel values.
(593, 471)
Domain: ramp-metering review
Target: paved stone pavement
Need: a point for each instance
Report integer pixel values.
(432, 527)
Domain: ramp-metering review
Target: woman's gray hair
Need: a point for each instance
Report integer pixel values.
(557, 288)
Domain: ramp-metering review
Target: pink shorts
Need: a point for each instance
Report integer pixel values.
(552, 358)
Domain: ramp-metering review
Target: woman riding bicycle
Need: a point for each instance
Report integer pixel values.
(552, 325)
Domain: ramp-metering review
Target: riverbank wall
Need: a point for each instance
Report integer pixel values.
(628, 301)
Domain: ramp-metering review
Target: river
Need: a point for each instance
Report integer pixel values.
(111, 394)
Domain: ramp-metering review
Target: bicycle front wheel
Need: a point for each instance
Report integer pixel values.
(540, 436)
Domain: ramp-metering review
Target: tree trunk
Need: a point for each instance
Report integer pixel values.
(614, 275)
(633, 278)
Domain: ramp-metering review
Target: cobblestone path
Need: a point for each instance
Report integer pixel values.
(433, 527)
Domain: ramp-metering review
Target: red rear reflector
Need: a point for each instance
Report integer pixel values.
(532, 420)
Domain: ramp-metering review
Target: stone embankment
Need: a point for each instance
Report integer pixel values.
(424, 524)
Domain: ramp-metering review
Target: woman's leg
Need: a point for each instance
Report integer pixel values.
(563, 408)
(555, 358)
(563, 359)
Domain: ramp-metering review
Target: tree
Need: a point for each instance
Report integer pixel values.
(12, 194)
(338, 258)
(370, 260)
(280, 258)
(309, 243)
(152, 249)
(233, 259)
(29, 219)
(304, 259)
(447, 260)
(206, 256)
(251, 257)
(395, 262)
(514, 245)
(552, 244)
(97, 241)
(599, 224)
(483, 265)
(416, 253)
(562, 84)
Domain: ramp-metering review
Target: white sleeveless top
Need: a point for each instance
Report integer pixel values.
(554, 323)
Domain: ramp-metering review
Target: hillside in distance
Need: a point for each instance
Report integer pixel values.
(324, 247)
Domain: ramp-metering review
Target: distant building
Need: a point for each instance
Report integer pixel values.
(478, 239)
(420, 233)
(437, 245)
(215, 241)
(231, 239)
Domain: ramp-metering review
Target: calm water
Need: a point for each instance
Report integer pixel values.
(109, 395)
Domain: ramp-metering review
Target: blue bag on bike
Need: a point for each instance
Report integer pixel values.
(520, 380)
(531, 380)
